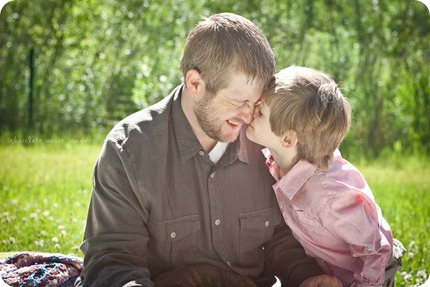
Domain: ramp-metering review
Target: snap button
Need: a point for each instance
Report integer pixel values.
(201, 152)
(173, 234)
(267, 223)
(212, 175)
(217, 222)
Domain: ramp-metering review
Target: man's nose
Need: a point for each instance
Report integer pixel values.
(247, 113)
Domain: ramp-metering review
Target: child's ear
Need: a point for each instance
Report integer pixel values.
(193, 82)
(289, 139)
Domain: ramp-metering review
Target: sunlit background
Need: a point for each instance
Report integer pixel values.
(70, 69)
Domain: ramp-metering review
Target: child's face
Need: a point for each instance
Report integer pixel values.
(260, 131)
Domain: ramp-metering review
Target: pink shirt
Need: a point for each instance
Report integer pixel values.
(334, 216)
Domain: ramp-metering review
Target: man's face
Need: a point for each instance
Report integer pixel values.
(221, 116)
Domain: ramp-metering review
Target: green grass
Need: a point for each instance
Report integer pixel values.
(45, 189)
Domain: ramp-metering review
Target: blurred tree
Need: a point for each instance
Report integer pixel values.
(94, 64)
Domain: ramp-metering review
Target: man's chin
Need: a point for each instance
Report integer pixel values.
(229, 137)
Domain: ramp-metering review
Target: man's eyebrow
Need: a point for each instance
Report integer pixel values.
(232, 99)
(236, 97)
(237, 100)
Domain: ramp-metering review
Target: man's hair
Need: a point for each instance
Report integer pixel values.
(224, 44)
(310, 103)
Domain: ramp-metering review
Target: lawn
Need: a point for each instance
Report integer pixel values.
(45, 190)
(46, 186)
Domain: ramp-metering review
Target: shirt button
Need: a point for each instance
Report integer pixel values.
(267, 223)
(217, 222)
(173, 234)
(228, 263)
(201, 152)
(212, 175)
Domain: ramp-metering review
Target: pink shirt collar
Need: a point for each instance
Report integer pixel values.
(296, 177)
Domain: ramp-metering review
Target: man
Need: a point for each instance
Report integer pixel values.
(179, 184)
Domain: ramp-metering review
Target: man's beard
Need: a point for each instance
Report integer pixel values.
(209, 121)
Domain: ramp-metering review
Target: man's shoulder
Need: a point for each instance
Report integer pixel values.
(145, 125)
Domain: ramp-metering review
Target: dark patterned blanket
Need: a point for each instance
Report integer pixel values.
(40, 269)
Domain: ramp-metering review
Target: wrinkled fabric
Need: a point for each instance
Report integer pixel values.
(334, 216)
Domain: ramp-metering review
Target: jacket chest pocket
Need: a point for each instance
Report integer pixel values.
(173, 238)
(256, 228)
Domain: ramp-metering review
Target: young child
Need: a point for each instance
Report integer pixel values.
(302, 119)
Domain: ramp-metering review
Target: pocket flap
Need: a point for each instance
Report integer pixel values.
(174, 229)
(260, 219)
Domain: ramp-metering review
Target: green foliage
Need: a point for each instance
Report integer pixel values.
(94, 64)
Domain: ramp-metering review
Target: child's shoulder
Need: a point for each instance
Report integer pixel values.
(329, 187)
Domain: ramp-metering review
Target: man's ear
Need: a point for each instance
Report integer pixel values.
(193, 82)
(289, 139)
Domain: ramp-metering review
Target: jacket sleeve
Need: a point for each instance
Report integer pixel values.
(287, 259)
(116, 229)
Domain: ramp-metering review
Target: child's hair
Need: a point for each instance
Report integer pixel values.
(310, 103)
